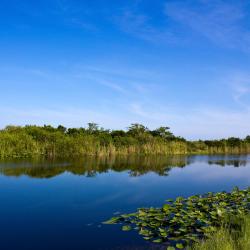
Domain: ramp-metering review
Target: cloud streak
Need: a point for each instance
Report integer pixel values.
(70, 117)
(140, 102)
(200, 123)
(206, 122)
(139, 26)
(219, 21)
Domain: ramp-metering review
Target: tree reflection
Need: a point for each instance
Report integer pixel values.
(92, 166)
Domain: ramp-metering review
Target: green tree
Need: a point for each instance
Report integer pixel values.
(247, 139)
(92, 127)
(233, 141)
(116, 133)
(136, 129)
(162, 132)
(61, 129)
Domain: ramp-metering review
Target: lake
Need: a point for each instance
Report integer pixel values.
(61, 204)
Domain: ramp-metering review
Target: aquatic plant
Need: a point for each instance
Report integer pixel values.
(183, 221)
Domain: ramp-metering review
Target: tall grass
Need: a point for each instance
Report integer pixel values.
(29, 141)
(232, 236)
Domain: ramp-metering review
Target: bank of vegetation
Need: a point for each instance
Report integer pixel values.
(27, 141)
(232, 236)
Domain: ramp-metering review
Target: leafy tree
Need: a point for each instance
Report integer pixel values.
(61, 129)
(11, 128)
(49, 128)
(247, 139)
(136, 129)
(162, 132)
(72, 131)
(119, 133)
(92, 127)
(233, 141)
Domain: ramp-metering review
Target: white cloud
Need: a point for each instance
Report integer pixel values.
(240, 84)
(205, 122)
(139, 101)
(139, 26)
(70, 117)
(219, 21)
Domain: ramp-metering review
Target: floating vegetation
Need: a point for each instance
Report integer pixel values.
(183, 221)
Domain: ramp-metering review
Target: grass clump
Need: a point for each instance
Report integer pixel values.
(234, 235)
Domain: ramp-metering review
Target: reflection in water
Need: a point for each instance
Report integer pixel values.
(91, 166)
(230, 162)
(64, 212)
(223, 160)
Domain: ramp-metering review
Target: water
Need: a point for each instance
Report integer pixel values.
(61, 204)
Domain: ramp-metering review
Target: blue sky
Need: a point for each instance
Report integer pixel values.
(184, 64)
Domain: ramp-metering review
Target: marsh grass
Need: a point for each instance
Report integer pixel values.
(30, 141)
(233, 235)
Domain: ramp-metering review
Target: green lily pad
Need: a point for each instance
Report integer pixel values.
(179, 246)
(170, 248)
(126, 228)
(186, 220)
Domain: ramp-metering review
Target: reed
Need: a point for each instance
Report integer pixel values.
(227, 238)
(29, 141)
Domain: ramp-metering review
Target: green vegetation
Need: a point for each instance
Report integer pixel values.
(184, 221)
(234, 235)
(29, 141)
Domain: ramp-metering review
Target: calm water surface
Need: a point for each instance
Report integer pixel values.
(61, 204)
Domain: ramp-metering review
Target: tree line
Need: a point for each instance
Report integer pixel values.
(49, 141)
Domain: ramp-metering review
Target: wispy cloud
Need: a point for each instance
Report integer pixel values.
(239, 83)
(63, 5)
(194, 123)
(126, 81)
(83, 24)
(241, 91)
(129, 82)
(222, 22)
(205, 123)
(70, 117)
(139, 25)
(107, 83)
(39, 73)
(137, 99)
(75, 14)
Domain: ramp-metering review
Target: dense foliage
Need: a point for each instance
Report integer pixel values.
(16, 141)
(183, 221)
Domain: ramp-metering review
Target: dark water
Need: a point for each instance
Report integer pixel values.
(61, 204)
